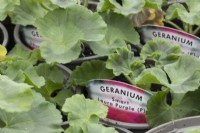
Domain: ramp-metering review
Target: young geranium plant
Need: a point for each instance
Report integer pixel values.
(20, 102)
(70, 25)
(179, 82)
(84, 115)
(163, 69)
(32, 98)
(123, 62)
(22, 66)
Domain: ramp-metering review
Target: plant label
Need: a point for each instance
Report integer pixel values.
(31, 37)
(190, 44)
(126, 103)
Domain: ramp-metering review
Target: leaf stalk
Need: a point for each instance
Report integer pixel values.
(129, 79)
(173, 24)
(86, 3)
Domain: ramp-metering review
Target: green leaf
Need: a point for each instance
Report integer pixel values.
(65, 3)
(14, 97)
(52, 84)
(190, 16)
(62, 96)
(173, 11)
(174, 76)
(161, 51)
(7, 6)
(23, 71)
(27, 12)
(81, 23)
(49, 72)
(159, 112)
(128, 7)
(152, 75)
(60, 53)
(43, 117)
(32, 56)
(184, 74)
(104, 5)
(129, 65)
(89, 70)
(81, 110)
(118, 32)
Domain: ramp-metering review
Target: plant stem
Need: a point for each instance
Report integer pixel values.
(196, 31)
(173, 24)
(86, 3)
(186, 27)
(129, 79)
(190, 29)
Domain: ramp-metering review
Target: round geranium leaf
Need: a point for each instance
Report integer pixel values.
(81, 110)
(67, 28)
(118, 33)
(159, 111)
(129, 65)
(59, 53)
(188, 15)
(184, 74)
(27, 12)
(161, 51)
(14, 97)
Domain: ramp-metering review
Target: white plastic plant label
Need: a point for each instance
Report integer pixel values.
(32, 37)
(126, 103)
(190, 44)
